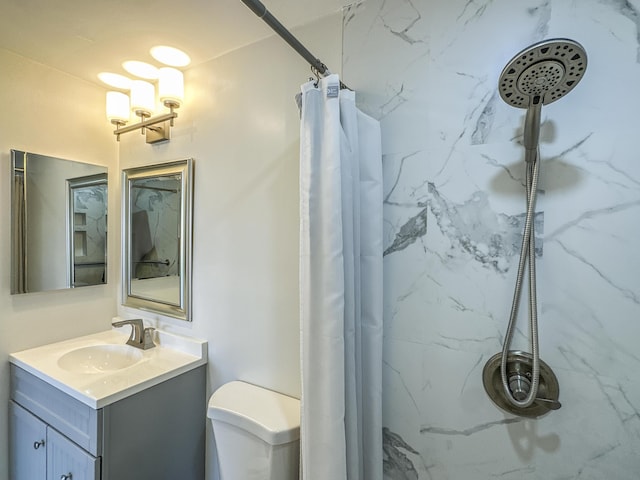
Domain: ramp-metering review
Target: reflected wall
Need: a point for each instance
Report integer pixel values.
(59, 223)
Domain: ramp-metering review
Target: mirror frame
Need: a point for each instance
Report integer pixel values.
(184, 168)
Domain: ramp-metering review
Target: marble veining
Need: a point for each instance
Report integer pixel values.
(626, 292)
(396, 100)
(630, 11)
(543, 14)
(468, 431)
(401, 22)
(471, 227)
(396, 463)
(485, 121)
(413, 229)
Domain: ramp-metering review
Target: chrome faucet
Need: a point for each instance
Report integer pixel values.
(140, 337)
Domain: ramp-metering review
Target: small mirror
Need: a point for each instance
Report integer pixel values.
(87, 217)
(58, 223)
(157, 238)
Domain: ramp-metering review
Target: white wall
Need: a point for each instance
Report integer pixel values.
(45, 111)
(454, 199)
(240, 123)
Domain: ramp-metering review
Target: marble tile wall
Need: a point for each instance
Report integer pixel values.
(454, 207)
(160, 198)
(90, 222)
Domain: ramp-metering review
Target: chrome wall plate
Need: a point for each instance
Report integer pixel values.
(160, 132)
(519, 368)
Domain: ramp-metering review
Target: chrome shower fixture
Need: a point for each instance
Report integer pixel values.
(516, 381)
(540, 75)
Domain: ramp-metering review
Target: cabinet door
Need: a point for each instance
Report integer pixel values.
(67, 461)
(27, 444)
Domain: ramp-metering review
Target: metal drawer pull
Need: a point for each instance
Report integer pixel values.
(66, 477)
(39, 444)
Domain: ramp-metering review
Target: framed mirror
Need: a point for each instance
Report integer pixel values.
(86, 219)
(58, 223)
(157, 236)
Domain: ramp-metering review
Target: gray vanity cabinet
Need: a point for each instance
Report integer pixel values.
(154, 434)
(42, 453)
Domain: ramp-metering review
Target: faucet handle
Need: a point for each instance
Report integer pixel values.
(147, 341)
(134, 322)
(140, 336)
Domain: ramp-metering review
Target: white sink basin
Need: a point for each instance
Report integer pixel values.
(99, 358)
(100, 369)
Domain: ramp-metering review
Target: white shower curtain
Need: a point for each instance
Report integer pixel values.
(340, 286)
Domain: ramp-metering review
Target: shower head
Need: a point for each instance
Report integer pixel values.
(537, 76)
(542, 73)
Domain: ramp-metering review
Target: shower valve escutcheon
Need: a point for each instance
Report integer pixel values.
(520, 367)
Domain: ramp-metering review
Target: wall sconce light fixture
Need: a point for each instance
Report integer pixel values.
(142, 100)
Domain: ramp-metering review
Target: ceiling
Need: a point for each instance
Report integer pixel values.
(85, 37)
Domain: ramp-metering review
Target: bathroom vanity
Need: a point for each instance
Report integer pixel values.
(94, 408)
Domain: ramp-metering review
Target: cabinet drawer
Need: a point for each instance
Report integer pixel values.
(74, 419)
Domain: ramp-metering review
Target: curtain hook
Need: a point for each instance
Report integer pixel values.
(316, 73)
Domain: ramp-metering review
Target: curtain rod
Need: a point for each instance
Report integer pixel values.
(261, 11)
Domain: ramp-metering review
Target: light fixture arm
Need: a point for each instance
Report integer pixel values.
(154, 133)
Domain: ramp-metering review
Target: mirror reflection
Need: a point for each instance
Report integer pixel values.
(59, 223)
(87, 222)
(157, 233)
(155, 237)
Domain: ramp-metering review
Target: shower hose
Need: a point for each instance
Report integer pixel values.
(527, 252)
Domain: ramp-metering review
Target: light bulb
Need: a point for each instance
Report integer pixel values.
(117, 108)
(142, 98)
(170, 87)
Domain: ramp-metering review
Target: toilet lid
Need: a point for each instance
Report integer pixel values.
(271, 416)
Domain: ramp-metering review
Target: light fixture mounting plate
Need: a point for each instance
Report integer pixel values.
(158, 133)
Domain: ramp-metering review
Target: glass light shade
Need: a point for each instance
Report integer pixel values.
(171, 86)
(115, 80)
(117, 107)
(142, 98)
(141, 69)
(170, 56)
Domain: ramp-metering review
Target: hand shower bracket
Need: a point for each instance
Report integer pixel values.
(532, 131)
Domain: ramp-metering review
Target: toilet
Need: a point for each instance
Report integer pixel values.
(257, 432)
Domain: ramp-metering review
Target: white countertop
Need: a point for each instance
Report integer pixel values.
(173, 355)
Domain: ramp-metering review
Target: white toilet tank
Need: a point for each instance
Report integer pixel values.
(257, 432)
